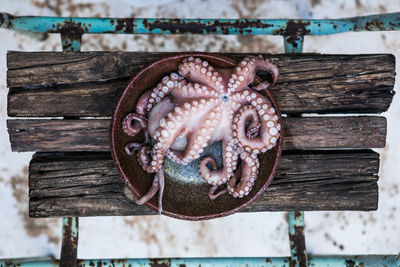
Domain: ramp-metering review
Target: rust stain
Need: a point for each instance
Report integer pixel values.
(299, 245)
(160, 262)
(33, 226)
(60, 7)
(373, 24)
(294, 30)
(298, 241)
(358, 4)
(125, 25)
(70, 31)
(18, 185)
(122, 262)
(147, 228)
(175, 26)
(315, 2)
(69, 249)
(54, 6)
(334, 242)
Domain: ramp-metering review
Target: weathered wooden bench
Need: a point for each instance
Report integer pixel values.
(60, 106)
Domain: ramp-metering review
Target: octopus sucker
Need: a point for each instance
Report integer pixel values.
(197, 138)
(244, 178)
(198, 105)
(215, 176)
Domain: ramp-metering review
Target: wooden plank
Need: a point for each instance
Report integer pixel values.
(89, 83)
(300, 133)
(59, 135)
(87, 184)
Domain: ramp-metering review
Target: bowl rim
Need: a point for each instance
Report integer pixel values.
(113, 129)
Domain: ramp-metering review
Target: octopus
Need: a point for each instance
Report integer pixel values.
(197, 106)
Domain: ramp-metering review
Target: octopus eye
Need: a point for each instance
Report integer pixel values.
(225, 98)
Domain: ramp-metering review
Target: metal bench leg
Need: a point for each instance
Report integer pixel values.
(71, 42)
(298, 251)
(69, 248)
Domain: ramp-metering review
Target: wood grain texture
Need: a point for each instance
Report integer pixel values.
(300, 133)
(87, 184)
(90, 83)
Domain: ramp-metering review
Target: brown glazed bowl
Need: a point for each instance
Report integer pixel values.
(185, 194)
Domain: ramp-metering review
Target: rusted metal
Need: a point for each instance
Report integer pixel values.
(291, 28)
(314, 261)
(180, 26)
(6, 20)
(69, 249)
(294, 32)
(71, 41)
(71, 35)
(124, 25)
(297, 240)
(160, 262)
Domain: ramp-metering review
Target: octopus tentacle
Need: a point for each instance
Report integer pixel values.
(161, 182)
(269, 66)
(253, 129)
(258, 110)
(198, 70)
(167, 84)
(245, 72)
(156, 186)
(141, 105)
(212, 195)
(191, 90)
(219, 176)
(170, 128)
(130, 148)
(144, 157)
(199, 138)
(133, 123)
(244, 178)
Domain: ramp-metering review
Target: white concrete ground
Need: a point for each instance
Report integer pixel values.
(262, 234)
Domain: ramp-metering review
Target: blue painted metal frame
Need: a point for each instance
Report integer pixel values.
(386, 22)
(292, 31)
(69, 246)
(314, 261)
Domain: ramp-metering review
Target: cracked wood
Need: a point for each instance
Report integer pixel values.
(88, 184)
(90, 83)
(300, 133)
